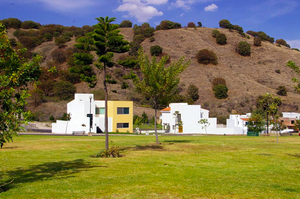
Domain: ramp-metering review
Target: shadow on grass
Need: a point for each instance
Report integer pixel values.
(42, 172)
(154, 147)
(294, 155)
(178, 141)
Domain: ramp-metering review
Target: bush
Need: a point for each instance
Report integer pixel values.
(128, 61)
(13, 42)
(99, 94)
(218, 81)
(221, 39)
(239, 29)
(244, 48)
(207, 57)
(139, 38)
(277, 71)
(48, 36)
(64, 90)
(166, 24)
(215, 33)
(199, 24)
(126, 24)
(151, 39)
(124, 85)
(59, 55)
(257, 41)
(29, 42)
(131, 75)
(220, 91)
(51, 118)
(224, 23)
(12, 23)
(193, 92)
(156, 50)
(60, 41)
(281, 42)
(148, 31)
(191, 25)
(30, 24)
(113, 152)
(281, 90)
(134, 47)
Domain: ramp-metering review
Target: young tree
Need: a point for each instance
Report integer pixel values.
(256, 123)
(105, 40)
(204, 124)
(159, 83)
(270, 105)
(16, 73)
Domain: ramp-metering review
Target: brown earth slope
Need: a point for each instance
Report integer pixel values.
(246, 77)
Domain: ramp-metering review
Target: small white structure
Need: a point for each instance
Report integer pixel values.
(87, 115)
(184, 118)
(291, 115)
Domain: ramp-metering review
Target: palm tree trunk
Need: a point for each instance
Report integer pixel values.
(106, 115)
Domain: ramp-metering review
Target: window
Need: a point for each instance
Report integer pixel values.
(122, 125)
(123, 110)
(100, 111)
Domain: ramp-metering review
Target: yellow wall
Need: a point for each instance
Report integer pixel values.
(121, 118)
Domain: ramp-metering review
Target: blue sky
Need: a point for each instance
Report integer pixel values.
(277, 18)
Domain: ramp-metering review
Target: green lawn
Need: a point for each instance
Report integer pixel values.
(181, 167)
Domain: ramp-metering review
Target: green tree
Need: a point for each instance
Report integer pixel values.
(270, 105)
(159, 83)
(224, 23)
(204, 124)
(105, 40)
(256, 123)
(16, 73)
(221, 39)
(295, 68)
(199, 24)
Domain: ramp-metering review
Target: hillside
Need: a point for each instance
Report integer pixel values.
(246, 77)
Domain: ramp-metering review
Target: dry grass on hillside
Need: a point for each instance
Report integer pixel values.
(246, 77)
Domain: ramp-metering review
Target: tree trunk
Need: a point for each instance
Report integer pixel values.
(267, 123)
(157, 141)
(106, 116)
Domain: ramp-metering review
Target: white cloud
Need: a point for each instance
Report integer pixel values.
(211, 8)
(294, 43)
(182, 14)
(184, 4)
(141, 10)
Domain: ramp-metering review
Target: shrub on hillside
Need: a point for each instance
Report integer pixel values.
(224, 23)
(221, 39)
(257, 41)
(48, 36)
(218, 81)
(134, 47)
(148, 31)
(126, 24)
(139, 38)
(191, 25)
(244, 48)
(12, 23)
(238, 28)
(30, 24)
(59, 55)
(156, 50)
(281, 90)
(193, 92)
(13, 42)
(205, 56)
(60, 41)
(166, 24)
(221, 91)
(128, 61)
(215, 33)
(64, 90)
(199, 24)
(151, 39)
(281, 42)
(29, 42)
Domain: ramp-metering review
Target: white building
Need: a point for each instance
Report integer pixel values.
(184, 118)
(84, 107)
(291, 115)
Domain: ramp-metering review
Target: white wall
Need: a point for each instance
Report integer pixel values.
(291, 115)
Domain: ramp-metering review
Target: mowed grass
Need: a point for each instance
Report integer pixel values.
(181, 167)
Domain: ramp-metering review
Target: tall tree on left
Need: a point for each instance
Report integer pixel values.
(105, 41)
(16, 73)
